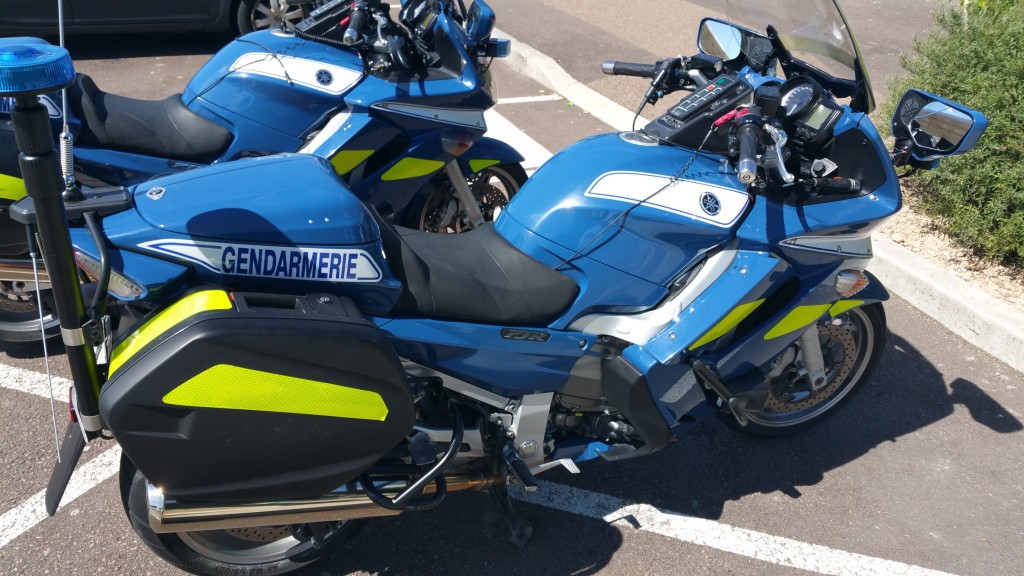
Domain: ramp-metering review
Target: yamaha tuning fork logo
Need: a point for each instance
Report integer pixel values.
(324, 77)
(710, 203)
(285, 262)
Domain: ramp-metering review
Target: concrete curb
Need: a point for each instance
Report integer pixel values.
(984, 321)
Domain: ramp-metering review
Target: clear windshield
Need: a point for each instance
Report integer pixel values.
(812, 30)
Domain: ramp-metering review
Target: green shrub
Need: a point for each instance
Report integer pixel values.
(977, 58)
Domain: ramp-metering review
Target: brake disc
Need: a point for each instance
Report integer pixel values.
(261, 534)
(839, 349)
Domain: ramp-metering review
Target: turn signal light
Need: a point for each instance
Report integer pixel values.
(118, 285)
(849, 282)
(456, 145)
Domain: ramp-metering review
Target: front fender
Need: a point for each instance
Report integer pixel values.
(488, 152)
(873, 292)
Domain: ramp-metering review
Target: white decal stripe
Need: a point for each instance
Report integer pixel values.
(702, 532)
(23, 517)
(297, 70)
(286, 262)
(682, 197)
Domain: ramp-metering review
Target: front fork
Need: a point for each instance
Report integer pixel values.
(810, 354)
(465, 196)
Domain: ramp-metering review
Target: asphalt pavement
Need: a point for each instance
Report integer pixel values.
(918, 475)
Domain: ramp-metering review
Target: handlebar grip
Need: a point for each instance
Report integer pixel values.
(356, 23)
(838, 185)
(749, 135)
(616, 68)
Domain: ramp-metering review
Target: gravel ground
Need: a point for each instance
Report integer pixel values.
(920, 233)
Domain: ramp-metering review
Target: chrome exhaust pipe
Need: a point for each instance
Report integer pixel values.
(166, 515)
(20, 270)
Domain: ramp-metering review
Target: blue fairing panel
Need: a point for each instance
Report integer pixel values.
(289, 199)
(478, 354)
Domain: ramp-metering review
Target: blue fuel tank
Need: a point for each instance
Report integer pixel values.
(278, 80)
(625, 201)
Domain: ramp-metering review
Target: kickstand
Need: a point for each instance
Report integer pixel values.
(521, 530)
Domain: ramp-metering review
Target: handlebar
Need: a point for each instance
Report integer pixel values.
(616, 68)
(356, 23)
(749, 135)
(837, 184)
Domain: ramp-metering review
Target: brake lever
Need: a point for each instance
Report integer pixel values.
(773, 158)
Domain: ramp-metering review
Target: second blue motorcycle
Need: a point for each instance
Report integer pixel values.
(397, 108)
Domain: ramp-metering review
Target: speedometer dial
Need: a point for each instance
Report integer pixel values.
(799, 95)
(797, 99)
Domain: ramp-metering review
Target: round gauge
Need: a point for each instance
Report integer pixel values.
(798, 95)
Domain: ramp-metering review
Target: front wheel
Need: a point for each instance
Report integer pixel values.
(493, 188)
(851, 344)
(267, 15)
(263, 550)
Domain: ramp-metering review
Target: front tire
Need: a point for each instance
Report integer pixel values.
(265, 550)
(493, 188)
(852, 344)
(19, 315)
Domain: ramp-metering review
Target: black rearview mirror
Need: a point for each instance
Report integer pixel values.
(936, 127)
(720, 39)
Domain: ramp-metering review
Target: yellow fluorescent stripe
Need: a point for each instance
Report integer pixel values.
(181, 310)
(346, 160)
(731, 320)
(412, 168)
(235, 388)
(11, 188)
(800, 317)
(478, 165)
(844, 305)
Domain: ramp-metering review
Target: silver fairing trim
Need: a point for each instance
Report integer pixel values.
(330, 129)
(850, 246)
(640, 328)
(458, 117)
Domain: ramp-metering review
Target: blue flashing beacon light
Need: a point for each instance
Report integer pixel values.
(29, 66)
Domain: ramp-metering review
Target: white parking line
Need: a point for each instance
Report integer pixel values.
(31, 382)
(702, 532)
(529, 99)
(500, 128)
(23, 517)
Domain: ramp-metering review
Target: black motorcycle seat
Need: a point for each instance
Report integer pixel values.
(162, 128)
(476, 276)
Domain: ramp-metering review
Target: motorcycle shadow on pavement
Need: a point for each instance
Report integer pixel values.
(697, 475)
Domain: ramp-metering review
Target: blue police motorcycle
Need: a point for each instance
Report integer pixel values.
(397, 107)
(280, 366)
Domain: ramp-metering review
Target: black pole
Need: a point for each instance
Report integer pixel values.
(40, 169)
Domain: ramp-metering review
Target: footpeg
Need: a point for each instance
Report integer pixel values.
(701, 370)
(520, 472)
(566, 463)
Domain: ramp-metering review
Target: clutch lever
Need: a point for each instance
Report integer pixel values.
(774, 158)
